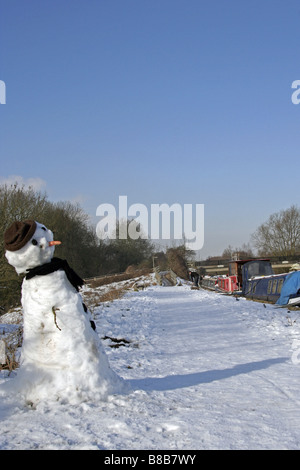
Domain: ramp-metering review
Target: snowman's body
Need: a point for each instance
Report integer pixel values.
(62, 357)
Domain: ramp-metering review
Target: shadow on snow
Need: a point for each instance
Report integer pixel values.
(173, 382)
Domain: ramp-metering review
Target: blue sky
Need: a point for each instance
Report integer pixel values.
(165, 101)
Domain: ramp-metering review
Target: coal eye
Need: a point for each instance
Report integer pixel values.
(34, 242)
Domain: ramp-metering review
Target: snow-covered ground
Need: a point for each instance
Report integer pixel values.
(206, 372)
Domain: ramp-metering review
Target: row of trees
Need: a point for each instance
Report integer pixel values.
(279, 236)
(85, 252)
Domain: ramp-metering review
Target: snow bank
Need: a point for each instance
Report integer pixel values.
(205, 371)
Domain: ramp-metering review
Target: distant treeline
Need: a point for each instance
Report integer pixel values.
(85, 252)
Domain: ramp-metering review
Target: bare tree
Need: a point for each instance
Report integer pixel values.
(280, 235)
(16, 203)
(133, 249)
(244, 252)
(177, 260)
(68, 222)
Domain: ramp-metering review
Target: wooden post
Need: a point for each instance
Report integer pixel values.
(2, 352)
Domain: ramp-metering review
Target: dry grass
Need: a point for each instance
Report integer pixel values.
(111, 278)
(11, 361)
(113, 287)
(112, 294)
(94, 298)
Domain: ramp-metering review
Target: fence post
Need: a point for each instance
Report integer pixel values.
(157, 275)
(2, 352)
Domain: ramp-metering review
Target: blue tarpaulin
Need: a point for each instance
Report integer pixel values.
(290, 287)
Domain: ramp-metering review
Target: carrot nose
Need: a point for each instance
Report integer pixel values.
(54, 243)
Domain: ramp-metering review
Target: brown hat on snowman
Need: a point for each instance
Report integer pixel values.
(28, 244)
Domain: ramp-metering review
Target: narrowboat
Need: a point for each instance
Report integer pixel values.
(255, 279)
(227, 284)
(209, 282)
(260, 283)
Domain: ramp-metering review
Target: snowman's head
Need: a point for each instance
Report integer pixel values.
(28, 244)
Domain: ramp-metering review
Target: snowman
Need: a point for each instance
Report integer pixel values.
(62, 357)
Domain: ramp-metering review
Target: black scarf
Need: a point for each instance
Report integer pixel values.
(55, 265)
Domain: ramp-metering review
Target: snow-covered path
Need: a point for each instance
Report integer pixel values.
(206, 371)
